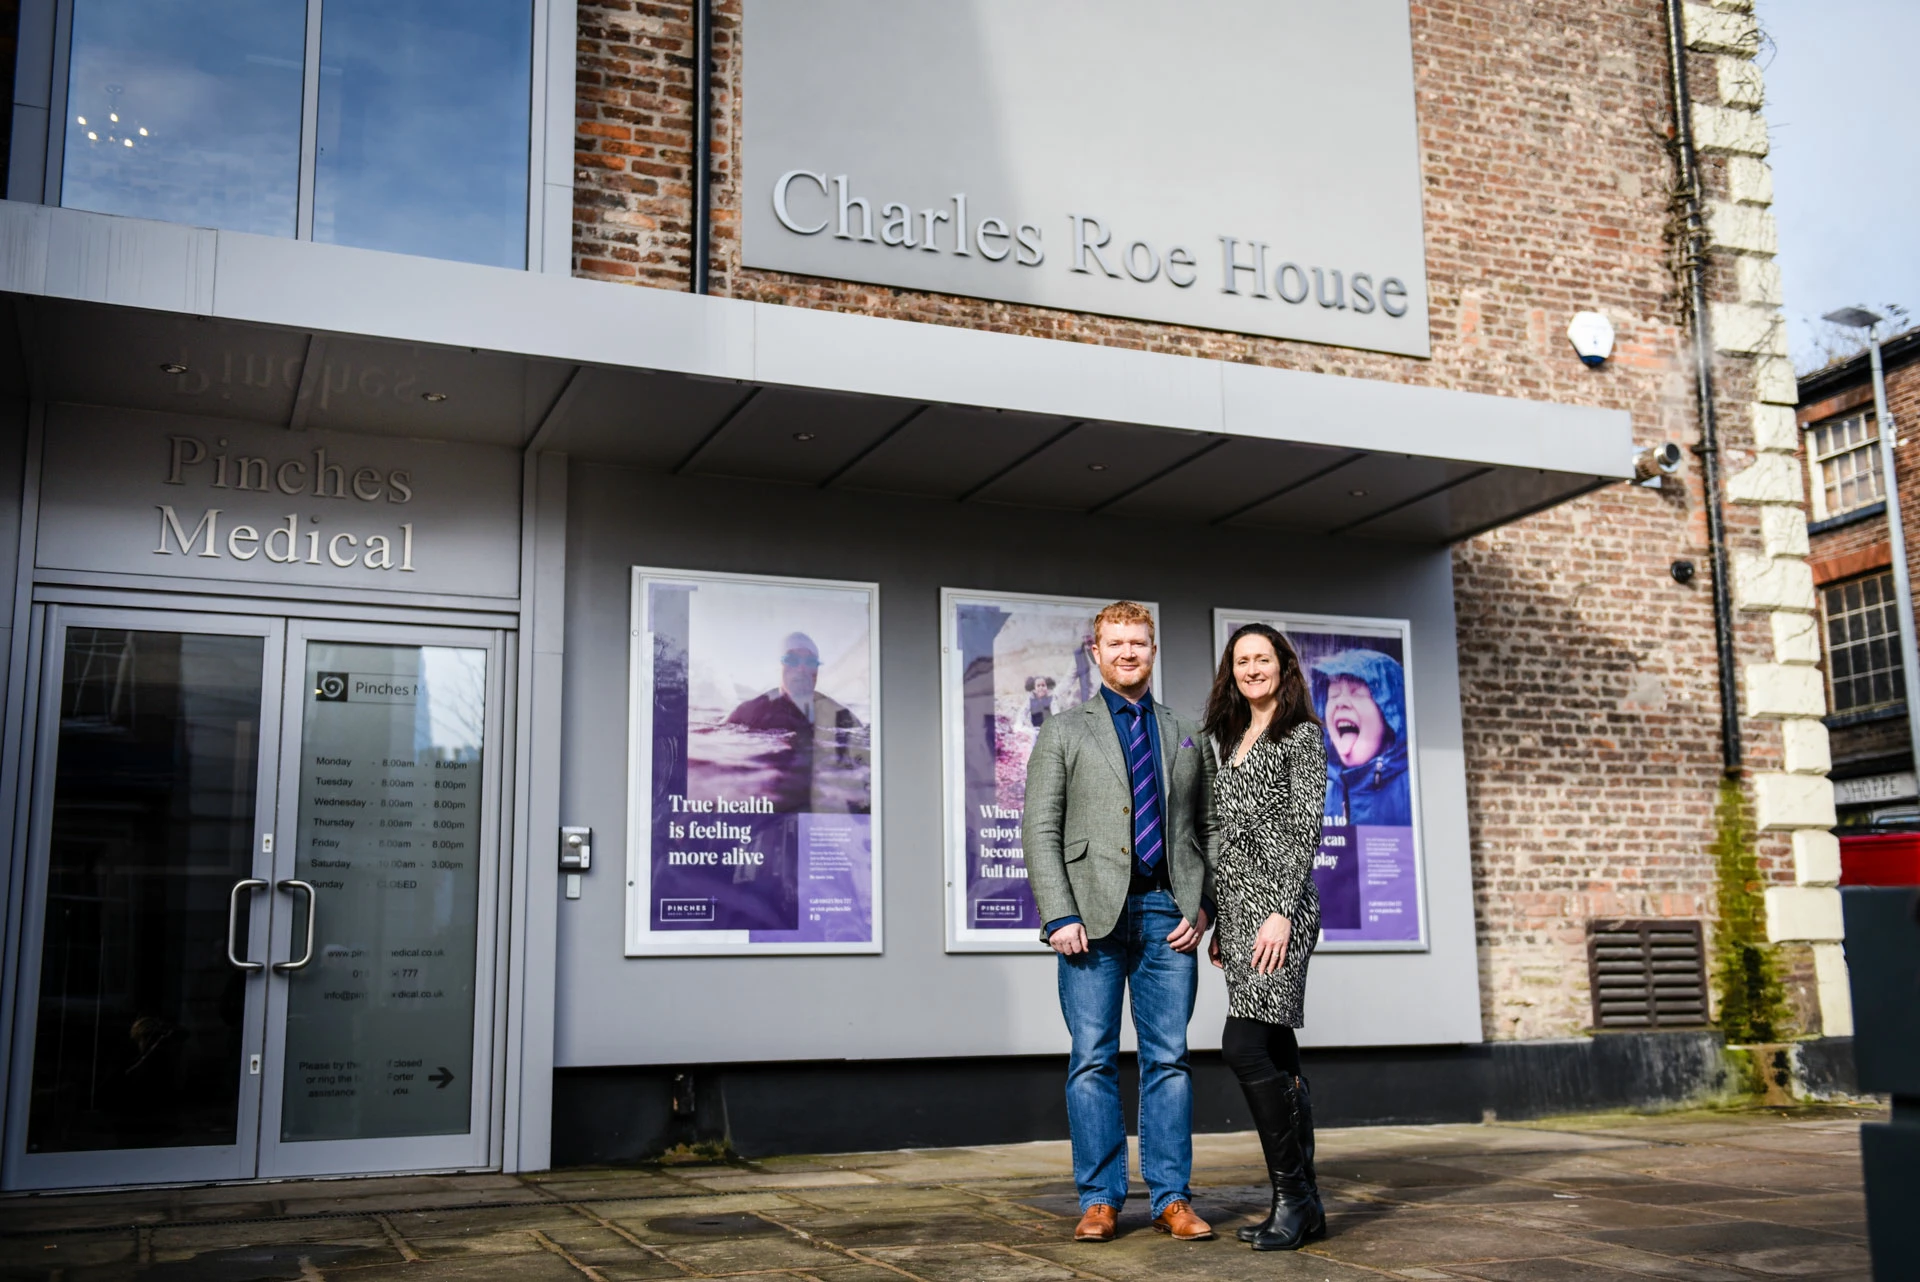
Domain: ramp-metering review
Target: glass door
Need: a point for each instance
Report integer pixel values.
(143, 989)
(380, 1018)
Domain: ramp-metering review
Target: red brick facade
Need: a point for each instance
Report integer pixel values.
(1587, 671)
(1850, 549)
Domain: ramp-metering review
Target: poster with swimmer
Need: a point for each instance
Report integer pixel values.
(1008, 662)
(753, 815)
(1369, 871)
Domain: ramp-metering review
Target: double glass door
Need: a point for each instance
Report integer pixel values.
(260, 902)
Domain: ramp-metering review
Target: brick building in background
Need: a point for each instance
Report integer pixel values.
(1852, 558)
(965, 315)
(1587, 671)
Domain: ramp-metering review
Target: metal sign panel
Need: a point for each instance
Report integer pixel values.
(130, 492)
(1243, 165)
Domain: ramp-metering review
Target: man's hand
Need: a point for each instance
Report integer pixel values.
(1069, 939)
(1187, 936)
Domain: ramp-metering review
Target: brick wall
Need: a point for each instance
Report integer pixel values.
(1587, 672)
(1864, 547)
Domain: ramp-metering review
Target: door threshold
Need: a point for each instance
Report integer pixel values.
(7, 1195)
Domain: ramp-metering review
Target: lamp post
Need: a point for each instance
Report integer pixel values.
(1861, 318)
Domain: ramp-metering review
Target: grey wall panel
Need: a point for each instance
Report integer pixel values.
(123, 491)
(911, 144)
(13, 453)
(915, 999)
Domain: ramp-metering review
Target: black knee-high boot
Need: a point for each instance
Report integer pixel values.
(1279, 1118)
(1306, 1146)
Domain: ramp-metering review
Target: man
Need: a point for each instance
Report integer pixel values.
(1119, 845)
(823, 767)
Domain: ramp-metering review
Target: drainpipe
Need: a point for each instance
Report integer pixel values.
(702, 142)
(1694, 254)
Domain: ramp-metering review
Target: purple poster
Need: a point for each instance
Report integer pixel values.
(1368, 868)
(1011, 662)
(752, 817)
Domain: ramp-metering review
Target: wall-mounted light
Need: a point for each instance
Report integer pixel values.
(1656, 461)
(1096, 467)
(803, 436)
(1682, 571)
(433, 398)
(172, 367)
(1592, 337)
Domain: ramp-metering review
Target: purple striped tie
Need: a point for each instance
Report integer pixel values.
(1147, 836)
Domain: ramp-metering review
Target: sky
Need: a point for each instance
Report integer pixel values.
(1846, 161)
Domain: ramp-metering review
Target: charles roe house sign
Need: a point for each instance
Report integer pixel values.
(131, 493)
(1243, 165)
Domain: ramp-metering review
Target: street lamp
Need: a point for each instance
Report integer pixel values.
(1861, 318)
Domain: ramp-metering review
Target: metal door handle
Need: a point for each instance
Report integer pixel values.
(291, 884)
(233, 920)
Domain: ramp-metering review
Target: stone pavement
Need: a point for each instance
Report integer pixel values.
(1702, 1195)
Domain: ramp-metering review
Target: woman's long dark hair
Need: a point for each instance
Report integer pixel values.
(1228, 712)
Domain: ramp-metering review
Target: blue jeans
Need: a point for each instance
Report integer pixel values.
(1163, 982)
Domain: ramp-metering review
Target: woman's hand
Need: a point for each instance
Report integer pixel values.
(1270, 944)
(1213, 951)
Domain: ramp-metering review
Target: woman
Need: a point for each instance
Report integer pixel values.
(1267, 797)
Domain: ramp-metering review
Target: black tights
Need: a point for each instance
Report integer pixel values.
(1258, 1051)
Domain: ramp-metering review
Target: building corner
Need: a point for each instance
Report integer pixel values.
(1791, 795)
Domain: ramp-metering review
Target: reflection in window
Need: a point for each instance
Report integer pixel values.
(186, 111)
(425, 118)
(1863, 644)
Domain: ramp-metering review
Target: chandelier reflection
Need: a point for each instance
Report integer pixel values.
(113, 131)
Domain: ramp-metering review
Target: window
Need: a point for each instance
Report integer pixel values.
(186, 111)
(406, 128)
(423, 128)
(1863, 644)
(1845, 456)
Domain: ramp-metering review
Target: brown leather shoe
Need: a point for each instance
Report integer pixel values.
(1179, 1220)
(1096, 1225)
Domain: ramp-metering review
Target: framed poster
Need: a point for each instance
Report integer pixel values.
(1008, 662)
(753, 816)
(1369, 871)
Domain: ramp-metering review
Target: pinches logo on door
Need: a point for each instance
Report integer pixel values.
(330, 687)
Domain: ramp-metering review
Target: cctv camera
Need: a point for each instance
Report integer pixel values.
(1657, 460)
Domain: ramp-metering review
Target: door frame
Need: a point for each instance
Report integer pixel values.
(495, 996)
(280, 1159)
(92, 1168)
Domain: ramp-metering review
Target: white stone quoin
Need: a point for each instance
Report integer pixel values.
(1816, 858)
(1796, 913)
(1796, 637)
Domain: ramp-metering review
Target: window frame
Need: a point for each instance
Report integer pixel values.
(1889, 601)
(1816, 482)
(41, 121)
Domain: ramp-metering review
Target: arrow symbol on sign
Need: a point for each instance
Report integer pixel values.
(444, 1077)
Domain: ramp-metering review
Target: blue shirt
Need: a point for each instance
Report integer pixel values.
(1120, 710)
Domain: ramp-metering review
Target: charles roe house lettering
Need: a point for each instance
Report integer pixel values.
(1267, 181)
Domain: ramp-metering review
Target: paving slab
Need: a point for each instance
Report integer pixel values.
(1694, 1197)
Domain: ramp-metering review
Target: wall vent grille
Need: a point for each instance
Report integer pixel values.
(1647, 974)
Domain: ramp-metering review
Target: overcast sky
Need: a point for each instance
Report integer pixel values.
(1846, 158)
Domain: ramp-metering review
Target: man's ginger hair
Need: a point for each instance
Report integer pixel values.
(1125, 612)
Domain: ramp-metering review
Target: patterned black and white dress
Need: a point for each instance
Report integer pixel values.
(1267, 811)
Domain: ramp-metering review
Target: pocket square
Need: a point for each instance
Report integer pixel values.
(1187, 742)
